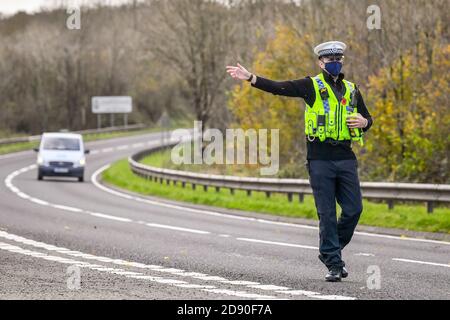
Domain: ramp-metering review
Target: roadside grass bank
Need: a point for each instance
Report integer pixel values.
(403, 216)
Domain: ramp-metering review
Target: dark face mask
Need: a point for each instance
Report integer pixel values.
(333, 68)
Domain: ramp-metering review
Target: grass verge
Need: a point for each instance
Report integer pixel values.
(408, 217)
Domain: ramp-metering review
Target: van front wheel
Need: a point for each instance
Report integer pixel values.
(80, 179)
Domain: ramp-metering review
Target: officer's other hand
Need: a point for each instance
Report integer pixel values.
(238, 72)
(356, 121)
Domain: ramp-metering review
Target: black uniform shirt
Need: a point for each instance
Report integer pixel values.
(304, 88)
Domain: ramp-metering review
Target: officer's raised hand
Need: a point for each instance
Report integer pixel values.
(239, 72)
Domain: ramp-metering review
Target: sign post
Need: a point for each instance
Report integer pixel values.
(99, 121)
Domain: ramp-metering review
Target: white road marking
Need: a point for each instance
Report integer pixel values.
(211, 278)
(8, 183)
(23, 195)
(400, 238)
(94, 179)
(241, 294)
(171, 270)
(361, 254)
(120, 272)
(67, 208)
(128, 274)
(104, 269)
(242, 283)
(192, 274)
(136, 275)
(423, 262)
(299, 292)
(124, 147)
(194, 286)
(38, 201)
(287, 224)
(171, 281)
(105, 150)
(278, 243)
(163, 226)
(269, 287)
(151, 278)
(332, 297)
(107, 216)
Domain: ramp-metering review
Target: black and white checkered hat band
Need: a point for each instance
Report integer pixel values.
(330, 52)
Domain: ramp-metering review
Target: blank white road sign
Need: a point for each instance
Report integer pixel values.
(112, 104)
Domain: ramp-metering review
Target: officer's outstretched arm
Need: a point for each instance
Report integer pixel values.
(293, 88)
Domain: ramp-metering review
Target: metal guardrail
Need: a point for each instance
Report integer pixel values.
(429, 193)
(90, 131)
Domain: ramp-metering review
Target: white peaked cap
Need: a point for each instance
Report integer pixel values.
(330, 48)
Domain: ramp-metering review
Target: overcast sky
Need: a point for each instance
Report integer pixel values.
(8, 7)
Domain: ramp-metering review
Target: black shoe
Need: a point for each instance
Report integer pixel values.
(334, 275)
(344, 273)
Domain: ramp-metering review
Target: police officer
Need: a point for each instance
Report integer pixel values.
(335, 116)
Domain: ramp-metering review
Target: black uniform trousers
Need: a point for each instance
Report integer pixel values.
(331, 181)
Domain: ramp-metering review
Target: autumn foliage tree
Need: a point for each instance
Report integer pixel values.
(287, 56)
(411, 138)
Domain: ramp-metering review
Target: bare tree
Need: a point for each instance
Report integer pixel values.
(193, 37)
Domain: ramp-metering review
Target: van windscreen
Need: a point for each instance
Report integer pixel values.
(61, 144)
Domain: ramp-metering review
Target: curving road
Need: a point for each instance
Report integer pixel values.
(129, 247)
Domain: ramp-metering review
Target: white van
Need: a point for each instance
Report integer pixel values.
(61, 154)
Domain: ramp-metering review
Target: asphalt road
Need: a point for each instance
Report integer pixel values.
(127, 247)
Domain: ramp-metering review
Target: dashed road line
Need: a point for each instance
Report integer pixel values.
(154, 268)
(162, 226)
(107, 216)
(14, 189)
(278, 243)
(362, 254)
(269, 287)
(423, 262)
(298, 292)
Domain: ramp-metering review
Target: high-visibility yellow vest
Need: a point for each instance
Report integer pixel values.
(327, 117)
